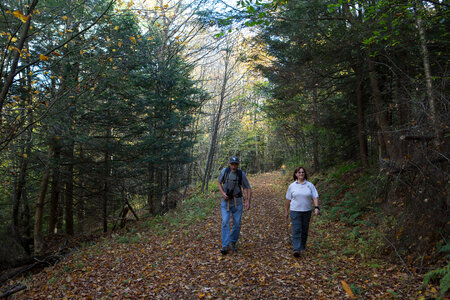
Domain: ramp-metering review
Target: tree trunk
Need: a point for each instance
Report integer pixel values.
(16, 57)
(69, 190)
(150, 189)
(382, 120)
(105, 187)
(55, 188)
(361, 128)
(106, 176)
(158, 191)
(80, 203)
(315, 130)
(38, 237)
(215, 129)
(428, 77)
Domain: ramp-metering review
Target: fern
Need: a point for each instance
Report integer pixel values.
(442, 274)
(445, 248)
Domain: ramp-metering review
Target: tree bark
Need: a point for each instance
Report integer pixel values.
(315, 130)
(55, 188)
(158, 191)
(16, 57)
(215, 129)
(382, 120)
(428, 77)
(105, 184)
(80, 203)
(38, 237)
(69, 190)
(150, 189)
(361, 128)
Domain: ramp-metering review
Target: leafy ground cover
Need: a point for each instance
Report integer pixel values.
(178, 257)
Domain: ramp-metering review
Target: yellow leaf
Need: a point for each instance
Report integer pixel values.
(347, 289)
(43, 57)
(116, 28)
(20, 16)
(133, 40)
(25, 155)
(107, 39)
(14, 48)
(64, 18)
(13, 39)
(120, 44)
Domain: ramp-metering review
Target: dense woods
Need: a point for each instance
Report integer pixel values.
(367, 80)
(113, 106)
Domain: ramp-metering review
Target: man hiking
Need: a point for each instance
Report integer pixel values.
(231, 183)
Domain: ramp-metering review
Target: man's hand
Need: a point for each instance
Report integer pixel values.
(225, 197)
(286, 214)
(247, 205)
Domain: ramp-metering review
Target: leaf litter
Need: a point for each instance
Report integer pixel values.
(186, 263)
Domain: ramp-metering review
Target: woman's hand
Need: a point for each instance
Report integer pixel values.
(316, 211)
(286, 214)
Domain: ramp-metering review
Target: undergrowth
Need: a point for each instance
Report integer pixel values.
(386, 217)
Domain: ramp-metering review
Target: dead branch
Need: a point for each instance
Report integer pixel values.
(13, 290)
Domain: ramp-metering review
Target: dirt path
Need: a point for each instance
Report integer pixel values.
(187, 264)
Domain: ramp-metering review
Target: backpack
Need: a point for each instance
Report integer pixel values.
(239, 173)
(227, 172)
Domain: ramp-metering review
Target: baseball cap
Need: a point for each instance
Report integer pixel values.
(234, 159)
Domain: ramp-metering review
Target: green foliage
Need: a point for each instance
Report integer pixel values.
(368, 244)
(129, 238)
(441, 274)
(357, 289)
(341, 170)
(191, 211)
(393, 293)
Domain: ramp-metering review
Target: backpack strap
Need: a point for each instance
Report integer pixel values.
(225, 175)
(240, 177)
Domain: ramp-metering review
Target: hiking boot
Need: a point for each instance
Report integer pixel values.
(233, 247)
(224, 250)
(296, 253)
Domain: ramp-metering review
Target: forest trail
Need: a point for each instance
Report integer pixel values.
(187, 264)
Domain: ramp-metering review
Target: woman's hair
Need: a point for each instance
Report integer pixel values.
(298, 169)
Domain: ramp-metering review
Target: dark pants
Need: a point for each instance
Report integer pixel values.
(300, 226)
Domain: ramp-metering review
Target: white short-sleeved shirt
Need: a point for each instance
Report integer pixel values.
(301, 195)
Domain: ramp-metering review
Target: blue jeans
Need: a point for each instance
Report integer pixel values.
(236, 213)
(300, 226)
